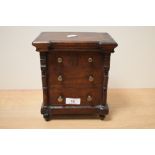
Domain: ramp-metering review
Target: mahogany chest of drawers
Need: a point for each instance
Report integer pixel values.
(74, 69)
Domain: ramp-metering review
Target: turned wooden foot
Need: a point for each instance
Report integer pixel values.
(46, 116)
(102, 117)
(103, 110)
(46, 113)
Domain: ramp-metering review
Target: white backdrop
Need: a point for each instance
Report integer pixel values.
(132, 64)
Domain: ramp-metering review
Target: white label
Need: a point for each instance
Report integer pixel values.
(73, 101)
(71, 35)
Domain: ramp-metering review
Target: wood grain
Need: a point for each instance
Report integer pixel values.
(129, 108)
(66, 63)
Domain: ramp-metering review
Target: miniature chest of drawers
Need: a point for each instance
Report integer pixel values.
(74, 69)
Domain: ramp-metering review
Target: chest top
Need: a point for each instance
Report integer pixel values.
(74, 40)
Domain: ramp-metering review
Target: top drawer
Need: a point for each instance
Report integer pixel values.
(76, 59)
(75, 68)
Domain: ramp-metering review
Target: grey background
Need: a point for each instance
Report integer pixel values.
(132, 64)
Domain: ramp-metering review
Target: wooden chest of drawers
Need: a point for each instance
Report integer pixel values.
(74, 67)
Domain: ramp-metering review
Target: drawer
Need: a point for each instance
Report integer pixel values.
(73, 77)
(75, 69)
(88, 96)
(68, 59)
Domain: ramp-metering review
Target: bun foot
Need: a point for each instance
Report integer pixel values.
(102, 117)
(103, 110)
(46, 113)
(46, 116)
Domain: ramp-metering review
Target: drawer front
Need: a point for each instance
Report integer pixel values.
(75, 69)
(63, 96)
(76, 59)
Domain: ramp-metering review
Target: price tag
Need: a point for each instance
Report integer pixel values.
(73, 101)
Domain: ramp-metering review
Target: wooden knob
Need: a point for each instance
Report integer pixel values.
(89, 98)
(90, 59)
(59, 78)
(91, 78)
(60, 99)
(59, 60)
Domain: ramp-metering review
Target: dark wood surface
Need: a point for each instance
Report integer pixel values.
(75, 67)
(83, 40)
(73, 92)
(82, 37)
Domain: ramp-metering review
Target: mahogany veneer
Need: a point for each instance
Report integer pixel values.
(74, 67)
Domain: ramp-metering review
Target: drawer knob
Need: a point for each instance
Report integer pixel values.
(59, 78)
(89, 98)
(91, 78)
(90, 59)
(59, 60)
(60, 99)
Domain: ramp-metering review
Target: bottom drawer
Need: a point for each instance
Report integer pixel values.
(75, 96)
